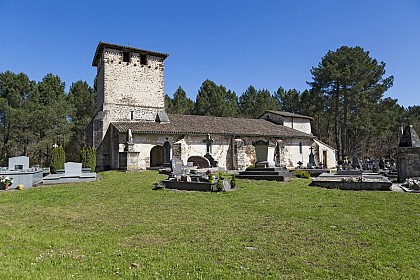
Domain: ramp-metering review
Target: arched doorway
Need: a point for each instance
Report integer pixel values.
(199, 161)
(156, 156)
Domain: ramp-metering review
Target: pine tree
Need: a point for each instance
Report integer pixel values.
(214, 100)
(88, 158)
(58, 158)
(181, 104)
(350, 79)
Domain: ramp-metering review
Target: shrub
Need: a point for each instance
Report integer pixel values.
(219, 184)
(58, 158)
(88, 158)
(233, 182)
(302, 174)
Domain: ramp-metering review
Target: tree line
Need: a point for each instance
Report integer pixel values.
(35, 116)
(346, 100)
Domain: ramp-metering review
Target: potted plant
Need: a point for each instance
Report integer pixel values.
(6, 181)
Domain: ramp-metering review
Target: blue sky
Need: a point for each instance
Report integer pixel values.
(263, 43)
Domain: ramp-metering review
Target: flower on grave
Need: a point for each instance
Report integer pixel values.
(6, 180)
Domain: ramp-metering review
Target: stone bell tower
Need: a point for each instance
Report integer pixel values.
(130, 87)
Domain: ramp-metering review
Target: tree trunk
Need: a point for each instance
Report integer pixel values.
(344, 128)
(336, 130)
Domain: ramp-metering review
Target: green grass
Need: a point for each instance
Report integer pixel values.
(118, 227)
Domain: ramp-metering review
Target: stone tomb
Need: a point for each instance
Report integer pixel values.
(182, 178)
(73, 173)
(265, 154)
(19, 163)
(353, 180)
(22, 174)
(265, 168)
(408, 155)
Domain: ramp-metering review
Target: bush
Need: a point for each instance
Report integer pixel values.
(88, 158)
(302, 174)
(58, 158)
(233, 181)
(219, 184)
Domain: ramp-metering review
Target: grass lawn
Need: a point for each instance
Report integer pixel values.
(118, 227)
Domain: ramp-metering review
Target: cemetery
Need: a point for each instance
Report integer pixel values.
(18, 174)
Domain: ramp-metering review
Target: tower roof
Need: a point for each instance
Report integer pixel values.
(102, 45)
(409, 138)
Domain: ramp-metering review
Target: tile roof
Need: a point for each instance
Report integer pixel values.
(193, 124)
(102, 45)
(287, 114)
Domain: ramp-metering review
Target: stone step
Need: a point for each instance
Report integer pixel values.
(268, 169)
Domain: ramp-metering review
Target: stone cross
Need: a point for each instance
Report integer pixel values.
(311, 158)
(208, 142)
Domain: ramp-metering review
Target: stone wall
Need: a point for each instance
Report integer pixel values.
(303, 125)
(298, 123)
(100, 87)
(240, 158)
(330, 152)
(408, 160)
(292, 152)
(133, 83)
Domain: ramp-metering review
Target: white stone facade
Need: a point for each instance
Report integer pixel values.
(297, 122)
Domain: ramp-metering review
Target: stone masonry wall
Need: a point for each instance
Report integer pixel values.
(100, 88)
(129, 84)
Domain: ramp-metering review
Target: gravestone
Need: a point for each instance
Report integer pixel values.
(19, 163)
(177, 167)
(209, 142)
(311, 162)
(355, 162)
(226, 186)
(166, 154)
(18, 169)
(73, 169)
(209, 157)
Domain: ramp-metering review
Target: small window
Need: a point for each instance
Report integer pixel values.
(126, 57)
(132, 115)
(143, 59)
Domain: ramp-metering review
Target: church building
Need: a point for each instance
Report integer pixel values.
(132, 131)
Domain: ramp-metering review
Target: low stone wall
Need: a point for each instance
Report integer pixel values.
(190, 186)
(355, 186)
